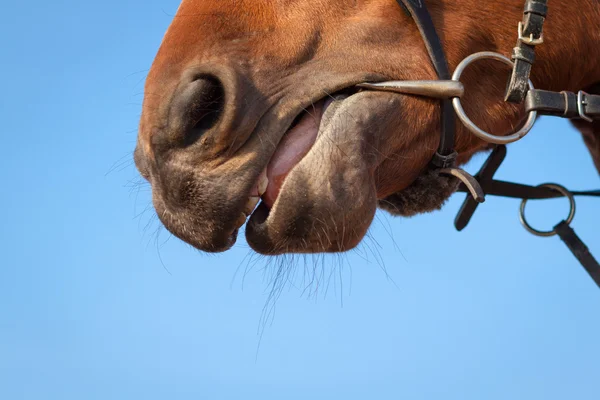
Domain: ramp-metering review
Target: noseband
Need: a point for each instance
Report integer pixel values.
(449, 90)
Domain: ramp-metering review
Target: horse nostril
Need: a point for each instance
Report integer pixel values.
(206, 107)
(200, 107)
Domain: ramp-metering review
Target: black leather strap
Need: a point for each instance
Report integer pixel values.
(484, 177)
(445, 155)
(520, 191)
(562, 104)
(422, 18)
(579, 249)
(534, 15)
(494, 187)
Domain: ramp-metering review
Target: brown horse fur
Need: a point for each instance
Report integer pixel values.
(265, 61)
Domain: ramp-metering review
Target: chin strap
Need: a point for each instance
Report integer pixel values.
(494, 187)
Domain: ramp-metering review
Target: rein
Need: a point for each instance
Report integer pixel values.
(449, 90)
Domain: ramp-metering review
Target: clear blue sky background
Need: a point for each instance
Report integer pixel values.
(89, 311)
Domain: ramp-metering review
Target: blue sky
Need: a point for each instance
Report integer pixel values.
(97, 302)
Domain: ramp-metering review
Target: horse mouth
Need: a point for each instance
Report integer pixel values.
(295, 144)
(272, 228)
(297, 141)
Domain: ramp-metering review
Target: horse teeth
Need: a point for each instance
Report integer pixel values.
(251, 205)
(263, 183)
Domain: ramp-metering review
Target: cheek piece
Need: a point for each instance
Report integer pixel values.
(449, 90)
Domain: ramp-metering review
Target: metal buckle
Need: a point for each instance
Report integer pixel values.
(529, 40)
(470, 182)
(581, 103)
(566, 96)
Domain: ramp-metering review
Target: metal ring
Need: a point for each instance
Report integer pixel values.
(565, 193)
(460, 112)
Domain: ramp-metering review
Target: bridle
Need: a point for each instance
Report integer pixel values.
(449, 90)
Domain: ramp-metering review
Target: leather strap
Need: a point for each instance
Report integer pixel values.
(445, 156)
(417, 10)
(484, 177)
(520, 191)
(563, 104)
(534, 15)
(493, 187)
(579, 250)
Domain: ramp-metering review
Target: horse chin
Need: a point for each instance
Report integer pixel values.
(328, 200)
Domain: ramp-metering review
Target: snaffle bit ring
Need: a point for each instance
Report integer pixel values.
(564, 192)
(460, 112)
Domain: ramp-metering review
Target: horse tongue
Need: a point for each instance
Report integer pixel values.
(292, 148)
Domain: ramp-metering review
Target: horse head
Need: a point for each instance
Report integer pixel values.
(251, 99)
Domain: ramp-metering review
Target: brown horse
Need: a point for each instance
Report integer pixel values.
(253, 98)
